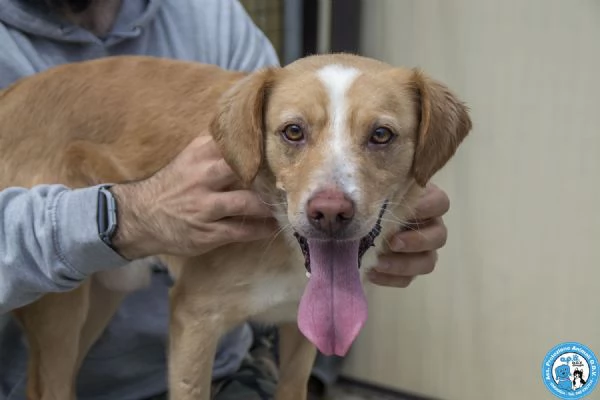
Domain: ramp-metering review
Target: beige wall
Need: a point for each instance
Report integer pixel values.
(521, 270)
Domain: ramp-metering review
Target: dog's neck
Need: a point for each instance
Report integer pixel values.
(98, 18)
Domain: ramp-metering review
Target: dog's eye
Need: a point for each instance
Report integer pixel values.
(293, 133)
(381, 136)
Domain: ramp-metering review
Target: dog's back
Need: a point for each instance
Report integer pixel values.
(108, 120)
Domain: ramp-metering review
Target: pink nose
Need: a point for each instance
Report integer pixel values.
(330, 211)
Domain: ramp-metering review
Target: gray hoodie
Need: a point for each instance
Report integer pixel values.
(48, 234)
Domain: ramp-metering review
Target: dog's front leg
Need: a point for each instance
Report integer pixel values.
(53, 326)
(296, 358)
(193, 337)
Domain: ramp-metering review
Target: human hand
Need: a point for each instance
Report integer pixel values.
(187, 208)
(414, 251)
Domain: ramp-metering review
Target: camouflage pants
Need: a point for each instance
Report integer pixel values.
(257, 377)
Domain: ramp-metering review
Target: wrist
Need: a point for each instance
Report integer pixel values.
(132, 239)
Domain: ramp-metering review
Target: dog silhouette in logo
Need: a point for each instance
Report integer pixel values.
(563, 373)
(578, 380)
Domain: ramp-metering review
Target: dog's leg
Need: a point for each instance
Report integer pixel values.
(103, 305)
(52, 327)
(296, 358)
(193, 337)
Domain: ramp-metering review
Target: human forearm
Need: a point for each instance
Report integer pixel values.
(48, 242)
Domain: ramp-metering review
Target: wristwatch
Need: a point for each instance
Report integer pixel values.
(107, 215)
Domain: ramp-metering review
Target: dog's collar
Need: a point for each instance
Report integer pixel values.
(365, 243)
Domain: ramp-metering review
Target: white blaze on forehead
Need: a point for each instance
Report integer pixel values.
(337, 79)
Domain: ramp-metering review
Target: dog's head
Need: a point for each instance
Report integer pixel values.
(342, 136)
(562, 371)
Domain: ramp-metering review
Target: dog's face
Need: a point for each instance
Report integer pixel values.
(342, 137)
(344, 132)
(340, 142)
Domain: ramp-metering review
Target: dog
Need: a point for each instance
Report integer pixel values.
(340, 145)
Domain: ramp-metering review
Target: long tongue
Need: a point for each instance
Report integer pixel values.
(333, 308)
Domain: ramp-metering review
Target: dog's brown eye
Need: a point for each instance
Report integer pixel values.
(293, 133)
(381, 136)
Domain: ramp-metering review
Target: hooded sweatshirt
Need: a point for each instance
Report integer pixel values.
(48, 234)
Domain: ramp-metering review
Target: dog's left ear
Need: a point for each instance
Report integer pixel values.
(444, 123)
(239, 123)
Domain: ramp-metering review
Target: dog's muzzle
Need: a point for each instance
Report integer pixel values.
(366, 242)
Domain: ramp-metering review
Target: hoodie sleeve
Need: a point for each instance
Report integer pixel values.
(48, 242)
(49, 238)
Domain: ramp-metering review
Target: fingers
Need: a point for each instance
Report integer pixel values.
(407, 265)
(425, 237)
(238, 203)
(383, 279)
(434, 203)
(414, 252)
(219, 175)
(399, 270)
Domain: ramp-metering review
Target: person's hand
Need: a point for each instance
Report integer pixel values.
(414, 251)
(187, 208)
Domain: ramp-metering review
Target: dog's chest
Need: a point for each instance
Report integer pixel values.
(275, 298)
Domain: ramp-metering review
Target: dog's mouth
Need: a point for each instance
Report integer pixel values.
(333, 308)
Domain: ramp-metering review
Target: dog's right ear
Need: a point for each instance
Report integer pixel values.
(239, 123)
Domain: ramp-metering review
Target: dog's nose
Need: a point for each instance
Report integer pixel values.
(330, 211)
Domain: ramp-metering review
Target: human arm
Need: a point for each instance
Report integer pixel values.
(48, 242)
(49, 239)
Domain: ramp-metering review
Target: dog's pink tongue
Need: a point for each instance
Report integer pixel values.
(333, 308)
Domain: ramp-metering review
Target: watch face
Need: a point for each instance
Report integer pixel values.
(107, 214)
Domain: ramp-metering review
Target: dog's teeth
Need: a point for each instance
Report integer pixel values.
(307, 274)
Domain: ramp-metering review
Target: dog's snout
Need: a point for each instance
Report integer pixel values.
(330, 211)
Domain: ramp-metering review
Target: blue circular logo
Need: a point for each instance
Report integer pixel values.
(570, 371)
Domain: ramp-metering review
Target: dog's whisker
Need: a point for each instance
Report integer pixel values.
(409, 209)
(411, 227)
(403, 224)
(387, 241)
(275, 236)
(283, 203)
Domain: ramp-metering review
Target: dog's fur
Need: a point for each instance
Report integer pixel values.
(122, 119)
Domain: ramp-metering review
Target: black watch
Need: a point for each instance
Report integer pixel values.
(107, 215)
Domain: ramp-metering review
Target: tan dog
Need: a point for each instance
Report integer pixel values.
(332, 142)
